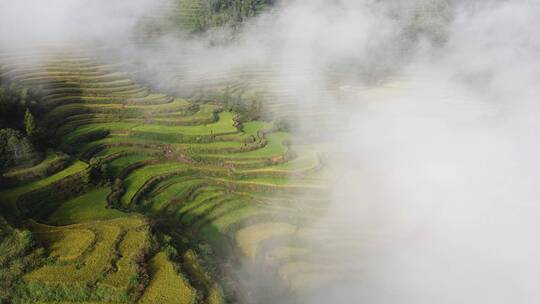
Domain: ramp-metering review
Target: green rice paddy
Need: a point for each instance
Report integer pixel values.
(183, 187)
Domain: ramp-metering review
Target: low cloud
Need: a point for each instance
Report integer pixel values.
(431, 115)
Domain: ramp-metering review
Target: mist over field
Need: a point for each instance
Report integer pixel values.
(443, 167)
(429, 127)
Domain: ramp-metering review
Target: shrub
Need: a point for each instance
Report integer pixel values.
(18, 254)
(118, 189)
(99, 171)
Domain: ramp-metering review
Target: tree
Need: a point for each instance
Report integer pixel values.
(30, 124)
(15, 149)
(11, 106)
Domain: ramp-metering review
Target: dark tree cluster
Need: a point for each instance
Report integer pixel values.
(201, 15)
(16, 104)
(236, 10)
(247, 110)
(19, 131)
(15, 149)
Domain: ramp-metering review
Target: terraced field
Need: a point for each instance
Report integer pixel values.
(164, 199)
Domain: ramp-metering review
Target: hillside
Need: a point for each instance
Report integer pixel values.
(260, 151)
(139, 189)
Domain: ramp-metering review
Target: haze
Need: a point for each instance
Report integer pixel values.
(427, 110)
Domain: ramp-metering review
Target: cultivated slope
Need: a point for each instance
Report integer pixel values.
(215, 196)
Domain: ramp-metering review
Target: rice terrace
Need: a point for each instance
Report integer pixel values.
(259, 151)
